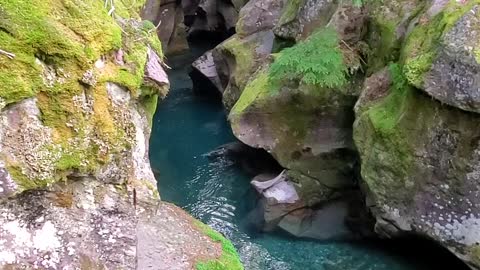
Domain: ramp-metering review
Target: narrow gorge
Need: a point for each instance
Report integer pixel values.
(236, 134)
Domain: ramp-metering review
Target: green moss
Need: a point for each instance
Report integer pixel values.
(259, 87)
(137, 38)
(152, 188)
(150, 105)
(56, 32)
(64, 38)
(23, 181)
(244, 55)
(383, 39)
(290, 11)
(229, 258)
(387, 113)
(383, 133)
(384, 45)
(72, 160)
(475, 251)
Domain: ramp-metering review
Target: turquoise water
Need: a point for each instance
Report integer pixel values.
(186, 127)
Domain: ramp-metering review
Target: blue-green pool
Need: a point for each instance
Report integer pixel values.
(186, 127)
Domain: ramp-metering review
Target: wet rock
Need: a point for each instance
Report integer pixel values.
(332, 218)
(168, 16)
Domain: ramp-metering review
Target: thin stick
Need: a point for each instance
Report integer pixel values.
(350, 48)
(8, 54)
(112, 9)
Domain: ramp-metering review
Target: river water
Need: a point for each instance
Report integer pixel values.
(186, 128)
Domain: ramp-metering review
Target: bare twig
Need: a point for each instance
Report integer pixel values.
(8, 54)
(112, 6)
(350, 48)
(156, 27)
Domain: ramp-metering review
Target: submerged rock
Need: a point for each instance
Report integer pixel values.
(330, 219)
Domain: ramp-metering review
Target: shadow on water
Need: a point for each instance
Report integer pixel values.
(187, 128)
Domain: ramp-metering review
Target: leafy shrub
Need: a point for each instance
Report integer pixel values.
(315, 61)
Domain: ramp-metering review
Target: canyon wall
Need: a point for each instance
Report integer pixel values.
(79, 84)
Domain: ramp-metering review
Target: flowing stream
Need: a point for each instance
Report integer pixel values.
(186, 128)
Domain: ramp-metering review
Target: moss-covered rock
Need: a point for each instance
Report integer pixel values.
(228, 259)
(441, 54)
(306, 128)
(237, 59)
(67, 53)
(420, 163)
(387, 29)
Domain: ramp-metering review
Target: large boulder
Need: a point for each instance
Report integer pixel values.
(236, 59)
(259, 15)
(420, 164)
(306, 128)
(442, 54)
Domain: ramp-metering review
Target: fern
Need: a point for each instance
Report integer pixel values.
(316, 61)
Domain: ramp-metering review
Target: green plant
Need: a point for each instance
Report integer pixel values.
(315, 61)
(229, 258)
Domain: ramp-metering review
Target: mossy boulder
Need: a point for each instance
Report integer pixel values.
(306, 128)
(61, 118)
(76, 105)
(441, 54)
(419, 162)
(237, 58)
(387, 28)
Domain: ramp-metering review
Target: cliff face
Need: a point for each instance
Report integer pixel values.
(388, 89)
(77, 97)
